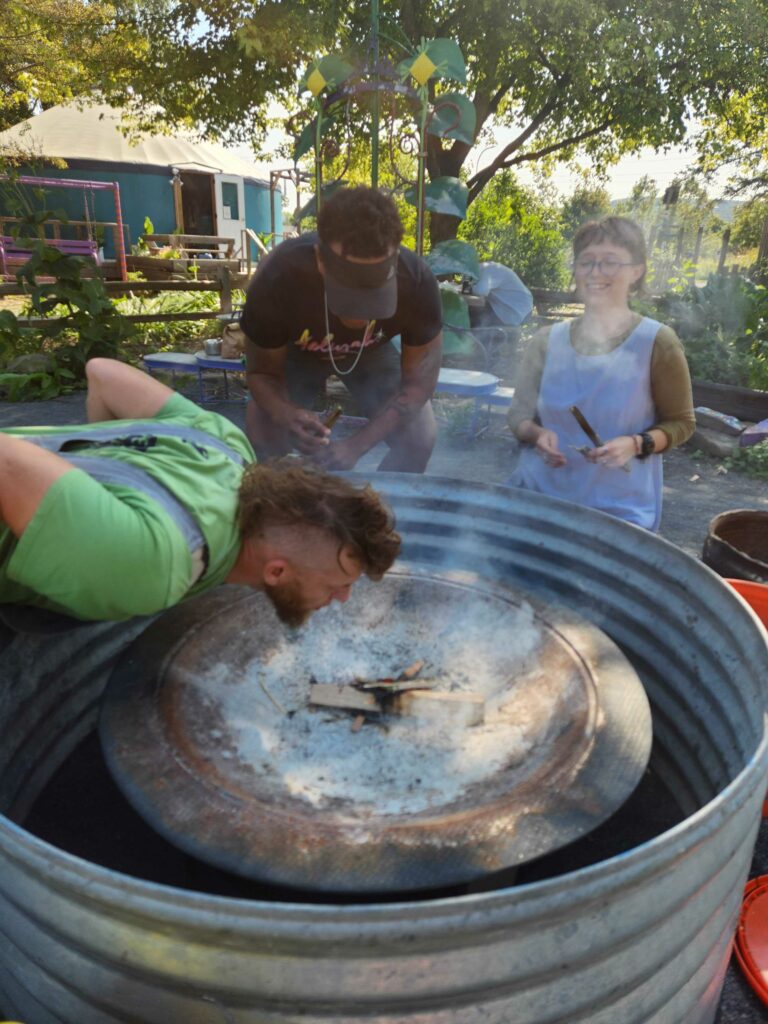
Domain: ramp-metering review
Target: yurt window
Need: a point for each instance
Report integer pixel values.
(229, 202)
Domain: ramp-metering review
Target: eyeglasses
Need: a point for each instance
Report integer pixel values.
(607, 267)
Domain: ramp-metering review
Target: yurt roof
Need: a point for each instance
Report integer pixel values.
(92, 136)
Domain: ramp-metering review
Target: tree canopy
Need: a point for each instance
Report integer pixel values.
(54, 50)
(595, 75)
(735, 136)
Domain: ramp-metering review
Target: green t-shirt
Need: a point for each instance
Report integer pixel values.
(106, 551)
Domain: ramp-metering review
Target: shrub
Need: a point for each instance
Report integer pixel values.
(511, 225)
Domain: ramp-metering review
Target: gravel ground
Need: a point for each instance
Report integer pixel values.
(695, 490)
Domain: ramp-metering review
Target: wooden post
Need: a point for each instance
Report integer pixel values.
(226, 290)
(178, 207)
(697, 247)
(762, 253)
(723, 251)
(680, 243)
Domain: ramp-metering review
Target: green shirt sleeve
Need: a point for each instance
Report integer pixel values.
(671, 388)
(102, 553)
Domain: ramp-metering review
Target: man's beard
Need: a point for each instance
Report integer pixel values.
(287, 602)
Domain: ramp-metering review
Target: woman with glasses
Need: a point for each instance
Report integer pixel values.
(624, 373)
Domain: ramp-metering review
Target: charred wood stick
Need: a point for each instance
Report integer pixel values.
(331, 418)
(397, 685)
(466, 708)
(595, 438)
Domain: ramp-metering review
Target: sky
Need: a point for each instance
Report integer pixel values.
(663, 167)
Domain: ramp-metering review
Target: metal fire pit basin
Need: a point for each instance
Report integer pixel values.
(211, 738)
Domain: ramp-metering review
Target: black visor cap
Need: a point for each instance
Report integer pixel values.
(359, 291)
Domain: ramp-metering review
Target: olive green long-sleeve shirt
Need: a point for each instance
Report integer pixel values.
(670, 381)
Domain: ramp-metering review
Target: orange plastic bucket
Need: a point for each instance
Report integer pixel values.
(756, 596)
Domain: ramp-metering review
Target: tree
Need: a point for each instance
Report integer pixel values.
(589, 201)
(748, 222)
(735, 136)
(584, 73)
(643, 204)
(511, 225)
(593, 75)
(53, 50)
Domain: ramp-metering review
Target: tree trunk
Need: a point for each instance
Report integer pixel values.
(442, 227)
(444, 162)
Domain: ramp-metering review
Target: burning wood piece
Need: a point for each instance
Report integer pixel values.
(412, 671)
(405, 680)
(466, 708)
(330, 420)
(396, 685)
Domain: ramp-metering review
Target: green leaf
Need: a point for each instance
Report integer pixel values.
(9, 323)
(326, 73)
(455, 309)
(458, 343)
(447, 55)
(442, 195)
(309, 209)
(454, 257)
(305, 141)
(454, 117)
(435, 58)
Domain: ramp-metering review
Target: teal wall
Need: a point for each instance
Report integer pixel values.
(257, 212)
(141, 195)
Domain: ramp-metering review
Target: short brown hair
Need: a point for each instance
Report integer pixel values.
(619, 231)
(287, 492)
(363, 220)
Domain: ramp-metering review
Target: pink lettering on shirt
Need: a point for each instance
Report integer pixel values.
(370, 338)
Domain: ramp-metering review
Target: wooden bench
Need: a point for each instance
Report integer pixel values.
(14, 254)
(191, 246)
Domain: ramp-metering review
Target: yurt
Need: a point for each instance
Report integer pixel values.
(160, 176)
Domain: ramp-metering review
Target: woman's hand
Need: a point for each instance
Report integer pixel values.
(547, 446)
(614, 453)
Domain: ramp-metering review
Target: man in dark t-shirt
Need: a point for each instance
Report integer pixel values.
(329, 303)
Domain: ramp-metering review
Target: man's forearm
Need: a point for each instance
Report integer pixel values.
(270, 393)
(398, 411)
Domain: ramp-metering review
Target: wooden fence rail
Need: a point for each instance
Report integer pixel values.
(223, 285)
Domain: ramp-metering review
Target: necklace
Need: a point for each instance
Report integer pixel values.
(336, 370)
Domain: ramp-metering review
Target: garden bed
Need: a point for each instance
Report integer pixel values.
(744, 403)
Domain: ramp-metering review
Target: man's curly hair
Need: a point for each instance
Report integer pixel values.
(286, 492)
(363, 220)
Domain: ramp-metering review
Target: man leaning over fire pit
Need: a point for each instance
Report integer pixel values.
(329, 303)
(134, 516)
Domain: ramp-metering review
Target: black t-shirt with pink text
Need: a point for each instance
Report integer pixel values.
(284, 305)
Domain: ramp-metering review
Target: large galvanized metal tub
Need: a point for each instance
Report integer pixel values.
(640, 937)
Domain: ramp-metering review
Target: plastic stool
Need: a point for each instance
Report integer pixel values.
(173, 363)
(469, 384)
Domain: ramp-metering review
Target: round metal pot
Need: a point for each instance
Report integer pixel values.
(643, 937)
(736, 545)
